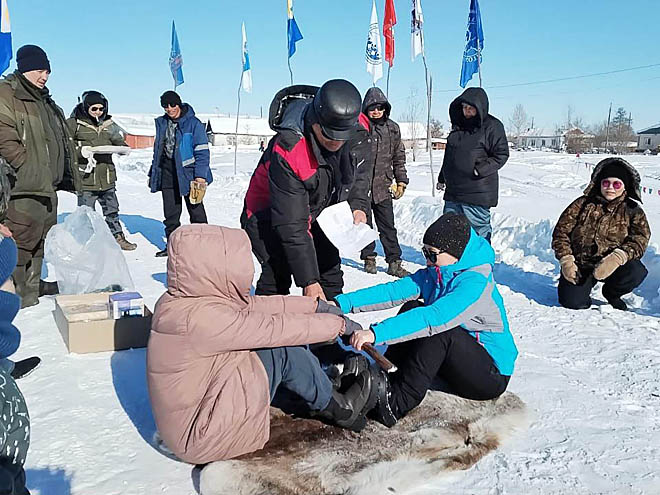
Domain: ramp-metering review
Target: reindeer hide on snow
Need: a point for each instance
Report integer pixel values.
(306, 457)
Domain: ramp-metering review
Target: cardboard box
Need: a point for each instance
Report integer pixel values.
(85, 325)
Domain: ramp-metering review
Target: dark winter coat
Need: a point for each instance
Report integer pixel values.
(388, 152)
(591, 227)
(35, 140)
(191, 151)
(476, 149)
(86, 132)
(296, 179)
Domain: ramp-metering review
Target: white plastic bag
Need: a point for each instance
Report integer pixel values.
(85, 256)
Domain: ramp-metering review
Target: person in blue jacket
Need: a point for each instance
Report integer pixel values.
(451, 334)
(181, 155)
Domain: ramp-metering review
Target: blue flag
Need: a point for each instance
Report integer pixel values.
(5, 37)
(176, 61)
(293, 33)
(474, 44)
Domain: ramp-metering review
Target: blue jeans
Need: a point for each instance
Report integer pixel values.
(478, 216)
(297, 370)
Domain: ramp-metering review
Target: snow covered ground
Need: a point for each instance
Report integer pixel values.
(589, 377)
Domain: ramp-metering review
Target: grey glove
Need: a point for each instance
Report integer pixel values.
(325, 307)
(351, 326)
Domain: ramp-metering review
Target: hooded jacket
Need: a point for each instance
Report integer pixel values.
(474, 145)
(296, 179)
(191, 151)
(460, 295)
(86, 132)
(35, 140)
(209, 391)
(388, 153)
(592, 227)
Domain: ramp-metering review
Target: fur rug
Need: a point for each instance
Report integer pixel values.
(444, 434)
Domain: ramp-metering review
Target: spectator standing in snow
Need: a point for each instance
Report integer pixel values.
(389, 163)
(305, 168)
(35, 140)
(452, 329)
(14, 418)
(91, 125)
(477, 148)
(181, 155)
(217, 356)
(262, 146)
(602, 236)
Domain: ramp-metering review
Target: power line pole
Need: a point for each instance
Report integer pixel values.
(607, 132)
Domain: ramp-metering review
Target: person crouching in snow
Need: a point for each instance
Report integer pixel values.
(217, 356)
(602, 236)
(457, 335)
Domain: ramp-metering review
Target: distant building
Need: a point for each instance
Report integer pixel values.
(578, 141)
(139, 129)
(649, 139)
(221, 130)
(541, 138)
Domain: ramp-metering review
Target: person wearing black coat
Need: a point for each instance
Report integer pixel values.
(477, 148)
(389, 164)
(311, 163)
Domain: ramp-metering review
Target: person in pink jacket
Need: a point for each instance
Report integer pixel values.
(217, 356)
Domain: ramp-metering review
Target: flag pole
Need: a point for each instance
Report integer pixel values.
(429, 93)
(387, 90)
(288, 61)
(479, 58)
(238, 111)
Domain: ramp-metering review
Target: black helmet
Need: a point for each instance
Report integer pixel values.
(337, 105)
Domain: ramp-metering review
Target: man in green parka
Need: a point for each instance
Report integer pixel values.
(35, 140)
(91, 126)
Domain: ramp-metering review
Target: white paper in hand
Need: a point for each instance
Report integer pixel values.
(336, 221)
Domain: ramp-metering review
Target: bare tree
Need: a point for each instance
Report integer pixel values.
(411, 116)
(518, 121)
(246, 138)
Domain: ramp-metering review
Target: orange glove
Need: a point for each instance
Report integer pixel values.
(569, 269)
(398, 190)
(610, 263)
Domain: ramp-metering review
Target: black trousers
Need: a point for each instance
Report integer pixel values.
(622, 281)
(452, 361)
(276, 274)
(172, 201)
(383, 213)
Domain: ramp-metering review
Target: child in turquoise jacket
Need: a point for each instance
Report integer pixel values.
(452, 331)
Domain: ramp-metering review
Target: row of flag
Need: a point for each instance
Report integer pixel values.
(474, 42)
(645, 189)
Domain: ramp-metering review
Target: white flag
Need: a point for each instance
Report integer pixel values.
(374, 53)
(246, 80)
(416, 33)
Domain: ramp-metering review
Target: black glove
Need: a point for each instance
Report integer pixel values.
(324, 307)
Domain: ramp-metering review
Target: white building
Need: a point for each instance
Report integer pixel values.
(251, 130)
(649, 138)
(541, 138)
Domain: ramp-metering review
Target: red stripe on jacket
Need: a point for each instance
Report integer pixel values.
(300, 158)
(257, 197)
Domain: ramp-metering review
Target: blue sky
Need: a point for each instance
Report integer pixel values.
(122, 47)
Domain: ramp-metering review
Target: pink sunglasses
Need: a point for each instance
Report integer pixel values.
(616, 184)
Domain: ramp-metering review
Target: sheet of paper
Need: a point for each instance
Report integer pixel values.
(336, 221)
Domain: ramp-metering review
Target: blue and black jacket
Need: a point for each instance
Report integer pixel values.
(460, 295)
(191, 151)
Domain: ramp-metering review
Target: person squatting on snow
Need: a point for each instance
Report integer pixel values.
(306, 167)
(91, 125)
(217, 356)
(389, 163)
(477, 148)
(456, 338)
(14, 417)
(602, 236)
(181, 155)
(35, 140)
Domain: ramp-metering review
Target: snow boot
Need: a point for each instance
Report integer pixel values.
(123, 243)
(617, 303)
(24, 367)
(382, 411)
(353, 366)
(48, 288)
(349, 410)
(370, 265)
(396, 270)
(162, 253)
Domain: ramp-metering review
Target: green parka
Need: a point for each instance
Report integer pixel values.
(87, 133)
(35, 140)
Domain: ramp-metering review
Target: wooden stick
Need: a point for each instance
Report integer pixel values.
(382, 361)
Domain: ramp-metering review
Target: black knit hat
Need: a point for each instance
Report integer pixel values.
(170, 98)
(31, 57)
(91, 97)
(615, 169)
(449, 234)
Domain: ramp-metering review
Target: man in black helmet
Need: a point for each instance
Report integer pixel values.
(305, 168)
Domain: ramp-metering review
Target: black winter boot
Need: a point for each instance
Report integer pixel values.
(48, 288)
(382, 411)
(24, 367)
(618, 303)
(349, 410)
(353, 366)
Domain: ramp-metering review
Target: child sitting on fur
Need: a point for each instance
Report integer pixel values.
(457, 334)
